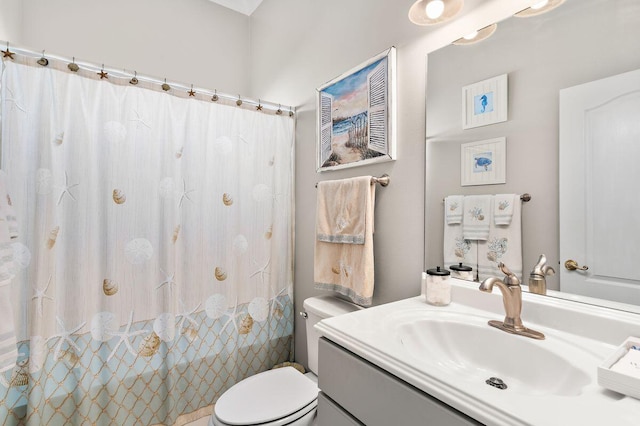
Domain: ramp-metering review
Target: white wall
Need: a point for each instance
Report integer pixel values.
(10, 20)
(192, 41)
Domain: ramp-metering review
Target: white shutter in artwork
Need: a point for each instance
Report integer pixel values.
(326, 103)
(377, 85)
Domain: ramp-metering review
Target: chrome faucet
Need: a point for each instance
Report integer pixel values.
(537, 278)
(512, 300)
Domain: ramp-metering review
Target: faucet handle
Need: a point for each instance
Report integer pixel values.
(511, 279)
(541, 268)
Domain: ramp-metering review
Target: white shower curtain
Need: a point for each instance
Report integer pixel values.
(154, 258)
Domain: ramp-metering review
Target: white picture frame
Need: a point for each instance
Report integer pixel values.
(485, 102)
(356, 115)
(483, 162)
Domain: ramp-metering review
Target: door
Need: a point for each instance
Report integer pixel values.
(600, 188)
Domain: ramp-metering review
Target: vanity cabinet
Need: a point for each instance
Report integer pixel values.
(356, 392)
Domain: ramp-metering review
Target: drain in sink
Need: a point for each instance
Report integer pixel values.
(496, 383)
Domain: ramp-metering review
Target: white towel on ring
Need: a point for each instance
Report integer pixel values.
(457, 249)
(504, 244)
(503, 208)
(477, 215)
(453, 209)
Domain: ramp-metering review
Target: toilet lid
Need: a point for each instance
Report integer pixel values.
(266, 397)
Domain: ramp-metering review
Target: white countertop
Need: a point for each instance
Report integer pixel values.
(588, 334)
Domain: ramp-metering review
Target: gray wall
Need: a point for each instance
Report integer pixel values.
(579, 42)
(297, 45)
(191, 41)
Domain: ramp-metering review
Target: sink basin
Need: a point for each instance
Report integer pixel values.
(465, 347)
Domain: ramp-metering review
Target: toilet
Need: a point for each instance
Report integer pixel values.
(282, 396)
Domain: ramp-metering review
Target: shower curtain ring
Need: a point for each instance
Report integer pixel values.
(43, 61)
(259, 107)
(191, 92)
(239, 101)
(134, 80)
(73, 66)
(7, 53)
(279, 111)
(291, 112)
(103, 74)
(215, 97)
(165, 86)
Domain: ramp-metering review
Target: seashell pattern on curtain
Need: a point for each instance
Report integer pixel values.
(154, 262)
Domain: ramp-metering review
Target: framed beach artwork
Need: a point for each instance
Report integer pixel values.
(483, 162)
(356, 115)
(485, 102)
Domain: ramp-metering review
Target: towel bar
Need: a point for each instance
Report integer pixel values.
(526, 197)
(382, 180)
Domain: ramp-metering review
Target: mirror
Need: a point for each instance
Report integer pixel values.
(579, 42)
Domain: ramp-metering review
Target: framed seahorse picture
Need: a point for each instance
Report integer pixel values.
(485, 102)
(483, 162)
(356, 115)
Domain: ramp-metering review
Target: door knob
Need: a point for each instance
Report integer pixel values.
(572, 265)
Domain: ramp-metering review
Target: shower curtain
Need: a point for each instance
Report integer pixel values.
(153, 264)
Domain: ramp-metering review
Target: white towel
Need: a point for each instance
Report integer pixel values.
(457, 249)
(453, 209)
(343, 267)
(8, 230)
(341, 210)
(503, 208)
(477, 215)
(504, 244)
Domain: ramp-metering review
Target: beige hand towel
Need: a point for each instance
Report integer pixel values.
(341, 210)
(346, 268)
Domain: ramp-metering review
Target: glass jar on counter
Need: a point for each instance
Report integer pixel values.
(462, 272)
(438, 287)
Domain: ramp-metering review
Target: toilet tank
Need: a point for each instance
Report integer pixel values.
(317, 309)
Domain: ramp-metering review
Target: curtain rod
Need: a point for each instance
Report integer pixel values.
(215, 95)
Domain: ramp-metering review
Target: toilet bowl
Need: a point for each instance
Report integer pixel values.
(282, 396)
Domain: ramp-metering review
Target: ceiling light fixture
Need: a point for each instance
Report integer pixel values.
(477, 36)
(431, 12)
(539, 8)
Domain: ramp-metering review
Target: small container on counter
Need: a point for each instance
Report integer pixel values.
(423, 289)
(462, 272)
(438, 287)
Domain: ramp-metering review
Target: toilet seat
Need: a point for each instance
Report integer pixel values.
(274, 397)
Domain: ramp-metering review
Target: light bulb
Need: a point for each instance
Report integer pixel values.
(540, 5)
(434, 9)
(471, 36)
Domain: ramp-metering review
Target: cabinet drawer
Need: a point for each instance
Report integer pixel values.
(377, 398)
(330, 414)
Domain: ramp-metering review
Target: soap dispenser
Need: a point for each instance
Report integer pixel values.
(537, 278)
